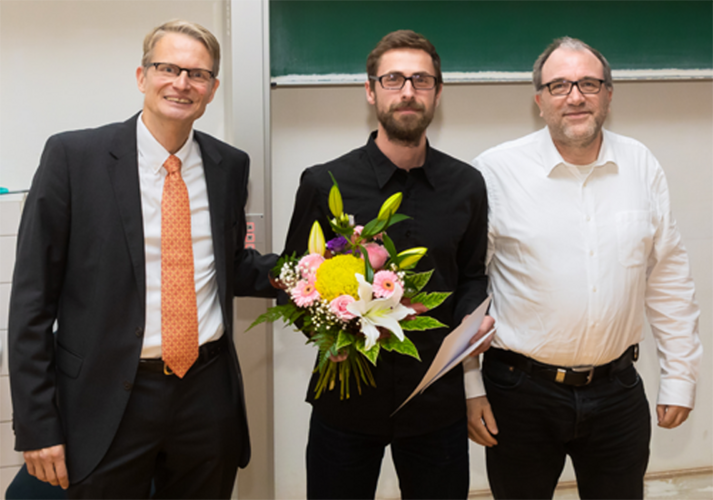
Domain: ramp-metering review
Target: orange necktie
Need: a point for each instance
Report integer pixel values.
(179, 313)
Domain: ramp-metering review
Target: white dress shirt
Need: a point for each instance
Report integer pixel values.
(152, 155)
(576, 254)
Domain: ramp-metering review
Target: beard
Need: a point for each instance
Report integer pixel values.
(581, 135)
(406, 129)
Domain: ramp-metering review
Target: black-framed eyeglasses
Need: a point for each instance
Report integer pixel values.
(396, 81)
(196, 75)
(564, 87)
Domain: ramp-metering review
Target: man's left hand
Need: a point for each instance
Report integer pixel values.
(671, 416)
(417, 307)
(485, 326)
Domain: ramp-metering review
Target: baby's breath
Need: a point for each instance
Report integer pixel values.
(289, 275)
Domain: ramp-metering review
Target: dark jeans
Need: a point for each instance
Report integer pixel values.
(178, 437)
(346, 465)
(604, 427)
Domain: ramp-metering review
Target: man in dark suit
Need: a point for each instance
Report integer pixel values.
(131, 241)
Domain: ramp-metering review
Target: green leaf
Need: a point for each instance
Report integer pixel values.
(389, 342)
(368, 270)
(373, 228)
(289, 313)
(430, 300)
(420, 323)
(344, 339)
(389, 245)
(260, 319)
(406, 347)
(416, 281)
(397, 218)
(372, 354)
(322, 340)
(325, 344)
(334, 181)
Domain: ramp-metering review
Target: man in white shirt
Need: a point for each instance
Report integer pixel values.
(581, 241)
(132, 241)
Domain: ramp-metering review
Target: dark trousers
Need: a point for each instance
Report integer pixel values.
(179, 434)
(27, 487)
(605, 428)
(345, 465)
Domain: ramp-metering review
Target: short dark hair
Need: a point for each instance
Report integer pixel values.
(573, 44)
(403, 39)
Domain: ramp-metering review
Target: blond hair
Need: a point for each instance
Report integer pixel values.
(193, 30)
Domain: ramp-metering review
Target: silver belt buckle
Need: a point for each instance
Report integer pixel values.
(585, 369)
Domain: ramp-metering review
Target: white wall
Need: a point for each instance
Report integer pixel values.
(68, 64)
(675, 119)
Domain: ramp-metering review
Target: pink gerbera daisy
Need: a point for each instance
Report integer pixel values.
(304, 293)
(385, 284)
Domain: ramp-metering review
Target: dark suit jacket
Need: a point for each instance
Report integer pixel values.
(80, 261)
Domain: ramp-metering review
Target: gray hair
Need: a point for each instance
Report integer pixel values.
(572, 44)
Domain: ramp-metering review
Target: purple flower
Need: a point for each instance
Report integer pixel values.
(337, 244)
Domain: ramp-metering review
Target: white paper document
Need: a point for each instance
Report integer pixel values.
(454, 349)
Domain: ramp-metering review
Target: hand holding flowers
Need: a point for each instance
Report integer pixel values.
(345, 292)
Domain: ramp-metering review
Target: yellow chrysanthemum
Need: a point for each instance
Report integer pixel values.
(336, 276)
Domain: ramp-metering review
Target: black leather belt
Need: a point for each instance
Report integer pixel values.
(576, 376)
(206, 352)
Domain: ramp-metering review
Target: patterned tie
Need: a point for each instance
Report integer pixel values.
(179, 313)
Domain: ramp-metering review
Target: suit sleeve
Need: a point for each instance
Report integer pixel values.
(36, 294)
(310, 206)
(251, 270)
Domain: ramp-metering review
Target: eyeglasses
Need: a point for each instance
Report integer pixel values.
(564, 87)
(396, 81)
(196, 75)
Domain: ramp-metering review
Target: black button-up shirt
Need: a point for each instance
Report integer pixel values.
(447, 203)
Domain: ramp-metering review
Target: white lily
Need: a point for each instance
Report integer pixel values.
(385, 312)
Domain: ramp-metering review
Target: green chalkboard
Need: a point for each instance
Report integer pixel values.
(324, 37)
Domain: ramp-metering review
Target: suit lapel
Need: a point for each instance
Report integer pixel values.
(216, 178)
(123, 170)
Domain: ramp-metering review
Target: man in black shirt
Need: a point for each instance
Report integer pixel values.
(446, 201)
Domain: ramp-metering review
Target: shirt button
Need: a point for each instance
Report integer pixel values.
(594, 288)
(591, 252)
(588, 218)
(127, 385)
(139, 332)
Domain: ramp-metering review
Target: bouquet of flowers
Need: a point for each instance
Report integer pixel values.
(354, 295)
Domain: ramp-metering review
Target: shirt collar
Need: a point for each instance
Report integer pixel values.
(552, 158)
(384, 168)
(152, 152)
